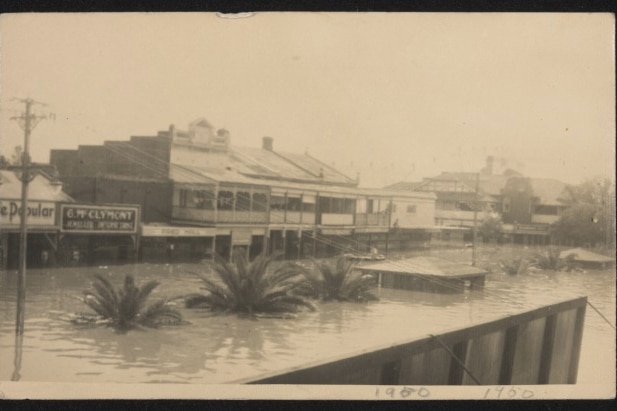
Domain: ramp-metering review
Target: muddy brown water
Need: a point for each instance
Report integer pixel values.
(224, 348)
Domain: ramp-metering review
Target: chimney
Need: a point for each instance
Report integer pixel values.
(267, 143)
(488, 170)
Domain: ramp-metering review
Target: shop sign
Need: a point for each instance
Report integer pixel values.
(38, 213)
(98, 219)
(157, 231)
(241, 237)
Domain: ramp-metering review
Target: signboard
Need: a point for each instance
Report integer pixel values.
(98, 219)
(162, 231)
(38, 213)
(241, 237)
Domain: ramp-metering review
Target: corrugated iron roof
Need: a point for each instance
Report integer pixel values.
(426, 266)
(39, 189)
(582, 255)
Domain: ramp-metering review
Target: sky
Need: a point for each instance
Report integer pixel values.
(386, 96)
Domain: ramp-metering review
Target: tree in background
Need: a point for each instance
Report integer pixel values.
(490, 228)
(590, 218)
(14, 160)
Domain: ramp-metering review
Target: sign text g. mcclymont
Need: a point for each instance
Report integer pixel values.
(91, 218)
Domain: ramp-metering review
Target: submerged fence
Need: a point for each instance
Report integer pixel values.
(540, 346)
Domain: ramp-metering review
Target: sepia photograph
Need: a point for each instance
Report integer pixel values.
(307, 205)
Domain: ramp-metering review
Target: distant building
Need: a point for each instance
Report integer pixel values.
(201, 195)
(527, 206)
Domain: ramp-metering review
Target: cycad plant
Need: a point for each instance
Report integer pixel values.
(339, 281)
(126, 308)
(551, 260)
(251, 287)
(517, 266)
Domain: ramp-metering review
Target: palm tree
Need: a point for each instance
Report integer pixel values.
(125, 308)
(252, 288)
(552, 261)
(517, 266)
(341, 282)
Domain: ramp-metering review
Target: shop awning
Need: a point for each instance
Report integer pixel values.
(176, 231)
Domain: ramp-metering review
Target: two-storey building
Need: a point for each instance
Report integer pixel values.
(200, 195)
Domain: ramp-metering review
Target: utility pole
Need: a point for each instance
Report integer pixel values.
(475, 221)
(27, 122)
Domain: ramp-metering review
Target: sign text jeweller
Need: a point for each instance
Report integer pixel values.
(99, 219)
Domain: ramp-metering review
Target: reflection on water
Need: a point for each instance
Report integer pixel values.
(219, 348)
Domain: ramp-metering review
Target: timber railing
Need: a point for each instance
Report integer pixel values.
(540, 346)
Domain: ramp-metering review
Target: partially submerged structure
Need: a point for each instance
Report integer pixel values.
(429, 274)
(587, 259)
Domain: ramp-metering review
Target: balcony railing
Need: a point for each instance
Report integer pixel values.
(220, 216)
(192, 214)
(337, 219)
(292, 217)
(373, 219)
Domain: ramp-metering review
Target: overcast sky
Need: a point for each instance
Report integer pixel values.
(391, 96)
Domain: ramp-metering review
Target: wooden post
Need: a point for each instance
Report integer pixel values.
(23, 228)
(475, 222)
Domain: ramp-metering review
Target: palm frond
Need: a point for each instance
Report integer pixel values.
(160, 313)
(342, 283)
(251, 287)
(124, 309)
(145, 290)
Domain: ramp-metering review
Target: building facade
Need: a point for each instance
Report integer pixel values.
(44, 199)
(526, 206)
(200, 195)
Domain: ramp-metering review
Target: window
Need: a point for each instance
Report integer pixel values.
(277, 203)
(294, 203)
(183, 197)
(243, 201)
(202, 199)
(411, 208)
(369, 206)
(260, 201)
(349, 205)
(225, 200)
(546, 210)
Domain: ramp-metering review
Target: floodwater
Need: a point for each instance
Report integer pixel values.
(225, 348)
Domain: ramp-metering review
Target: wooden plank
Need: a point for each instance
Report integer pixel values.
(546, 356)
(436, 367)
(405, 371)
(533, 338)
(507, 358)
(390, 373)
(576, 347)
(562, 348)
(457, 373)
(415, 374)
(526, 362)
(484, 356)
